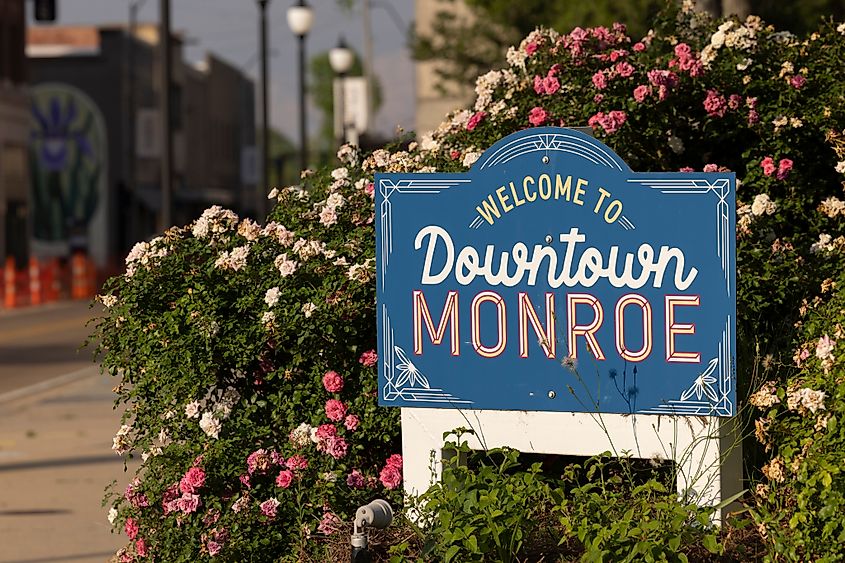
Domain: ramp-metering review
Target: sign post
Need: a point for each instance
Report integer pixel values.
(557, 302)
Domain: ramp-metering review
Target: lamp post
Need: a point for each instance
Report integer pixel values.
(166, 115)
(300, 18)
(341, 59)
(264, 136)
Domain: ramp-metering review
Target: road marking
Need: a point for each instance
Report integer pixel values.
(18, 334)
(49, 384)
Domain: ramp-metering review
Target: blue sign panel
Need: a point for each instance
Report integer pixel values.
(551, 277)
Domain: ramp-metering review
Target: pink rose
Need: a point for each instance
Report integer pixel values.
(326, 431)
(369, 358)
(169, 498)
(335, 410)
(610, 122)
(531, 48)
(784, 166)
(797, 81)
(351, 422)
(245, 480)
(753, 117)
(455, 154)
(269, 507)
(394, 460)
(665, 78)
(715, 104)
(296, 462)
(641, 92)
(355, 479)
(554, 69)
(141, 548)
(600, 80)
(768, 165)
(537, 116)
(136, 498)
(284, 478)
(686, 169)
(131, 528)
(551, 84)
(734, 101)
(638, 47)
(624, 69)
(683, 51)
(477, 118)
(370, 189)
(192, 481)
(259, 461)
(188, 503)
(538, 85)
(336, 447)
(329, 524)
(390, 477)
(617, 54)
(213, 548)
(598, 98)
(332, 382)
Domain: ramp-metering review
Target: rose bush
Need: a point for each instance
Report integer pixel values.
(247, 370)
(245, 351)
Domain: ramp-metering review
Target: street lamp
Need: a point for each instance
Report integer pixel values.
(341, 59)
(300, 19)
(264, 137)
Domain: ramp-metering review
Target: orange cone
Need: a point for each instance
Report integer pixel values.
(9, 282)
(77, 272)
(34, 282)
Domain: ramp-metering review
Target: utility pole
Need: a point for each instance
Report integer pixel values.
(368, 56)
(264, 138)
(166, 111)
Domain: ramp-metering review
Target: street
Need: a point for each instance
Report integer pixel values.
(38, 344)
(56, 428)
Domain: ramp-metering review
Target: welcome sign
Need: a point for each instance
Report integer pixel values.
(551, 277)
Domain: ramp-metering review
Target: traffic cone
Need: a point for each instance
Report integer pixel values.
(50, 281)
(77, 272)
(34, 281)
(9, 282)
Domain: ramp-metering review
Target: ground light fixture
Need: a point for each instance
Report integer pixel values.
(377, 514)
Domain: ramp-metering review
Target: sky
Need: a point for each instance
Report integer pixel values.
(229, 28)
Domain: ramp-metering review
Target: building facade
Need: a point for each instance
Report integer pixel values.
(432, 103)
(14, 134)
(103, 85)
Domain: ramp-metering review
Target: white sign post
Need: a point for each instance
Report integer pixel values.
(707, 451)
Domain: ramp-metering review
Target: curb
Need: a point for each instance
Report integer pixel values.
(48, 384)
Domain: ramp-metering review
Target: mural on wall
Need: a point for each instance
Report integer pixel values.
(68, 158)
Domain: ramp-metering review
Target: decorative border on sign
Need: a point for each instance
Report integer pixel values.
(722, 188)
(702, 398)
(416, 186)
(404, 379)
(578, 145)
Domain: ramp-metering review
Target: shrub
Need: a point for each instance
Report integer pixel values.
(246, 365)
(801, 498)
(602, 510)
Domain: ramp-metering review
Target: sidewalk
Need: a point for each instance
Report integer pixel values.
(55, 462)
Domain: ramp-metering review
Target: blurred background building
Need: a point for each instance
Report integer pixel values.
(96, 146)
(14, 133)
